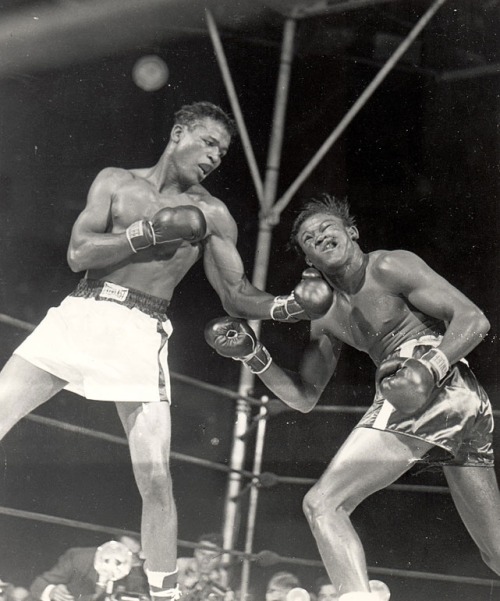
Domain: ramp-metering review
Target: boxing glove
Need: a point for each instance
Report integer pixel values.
(310, 299)
(169, 224)
(410, 384)
(234, 338)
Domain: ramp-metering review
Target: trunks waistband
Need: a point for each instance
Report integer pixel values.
(129, 297)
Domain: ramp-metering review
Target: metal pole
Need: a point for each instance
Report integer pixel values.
(356, 107)
(235, 105)
(231, 514)
(322, 7)
(276, 141)
(254, 498)
(480, 71)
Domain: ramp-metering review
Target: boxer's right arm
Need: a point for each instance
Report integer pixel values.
(311, 298)
(300, 390)
(91, 246)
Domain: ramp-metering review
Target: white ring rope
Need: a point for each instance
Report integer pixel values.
(263, 558)
(266, 479)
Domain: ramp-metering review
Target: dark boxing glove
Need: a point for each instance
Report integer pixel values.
(234, 338)
(310, 299)
(409, 384)
(169, 224)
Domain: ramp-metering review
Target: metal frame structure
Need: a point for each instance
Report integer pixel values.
(271, 208)
(22, 30)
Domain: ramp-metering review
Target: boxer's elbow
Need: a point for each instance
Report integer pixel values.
(307, 399)
(77, 258)
(473, 326)
(74, 260)
(482, 324)
(306, 407)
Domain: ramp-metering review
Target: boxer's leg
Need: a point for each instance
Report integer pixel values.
(477, 499)
(148, 429)
(23, 387)
(368, 461)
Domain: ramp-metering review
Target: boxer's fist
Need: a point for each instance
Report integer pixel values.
(231, 337)
(408, 384)
(310, 299)
(169, 224)
(234, 338)
(313, 294)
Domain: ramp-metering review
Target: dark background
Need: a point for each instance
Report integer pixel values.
(419, 166)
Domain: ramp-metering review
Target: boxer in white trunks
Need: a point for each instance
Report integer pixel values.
(417, 328)
(138, 235)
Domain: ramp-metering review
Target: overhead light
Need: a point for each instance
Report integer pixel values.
(150, 73)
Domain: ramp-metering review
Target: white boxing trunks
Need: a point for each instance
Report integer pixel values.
(109, 343)
(459, 420)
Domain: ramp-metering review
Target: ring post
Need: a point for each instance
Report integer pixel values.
(261, 263)
(254, 497)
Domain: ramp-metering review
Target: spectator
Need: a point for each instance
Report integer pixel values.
(74, 576)
(4, 587)
(280, 585)
(324, 590)
(17, 593)
(203, 575)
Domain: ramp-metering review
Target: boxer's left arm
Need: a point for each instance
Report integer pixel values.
(239, 297)
(410, 383)
(406, 274)
(300, 389)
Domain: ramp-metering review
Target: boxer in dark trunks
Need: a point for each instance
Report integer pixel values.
(418, 329)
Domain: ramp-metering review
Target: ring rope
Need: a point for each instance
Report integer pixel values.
(264, 558)
(24, 325)
(214, 388)
(265, 480)
(48, 421)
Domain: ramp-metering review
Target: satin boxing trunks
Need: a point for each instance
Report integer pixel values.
(109, 343)
(459, 421)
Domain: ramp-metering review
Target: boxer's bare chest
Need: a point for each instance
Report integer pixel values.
(157, 269)
(137, 199)
(364, 318)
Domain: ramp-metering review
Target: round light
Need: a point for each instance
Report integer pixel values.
(150, 73)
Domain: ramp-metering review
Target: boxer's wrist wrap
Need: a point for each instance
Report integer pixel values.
(437, 362)
(140, 235)
(258, 360)
(286, 308)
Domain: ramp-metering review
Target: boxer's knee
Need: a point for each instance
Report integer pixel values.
(319, 503)
(154, 481)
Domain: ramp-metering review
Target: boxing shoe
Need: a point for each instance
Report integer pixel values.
(168, 594)
(379, 591)
(163, 585)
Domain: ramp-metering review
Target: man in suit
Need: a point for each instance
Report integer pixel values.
(203, 575)
(74, 577)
